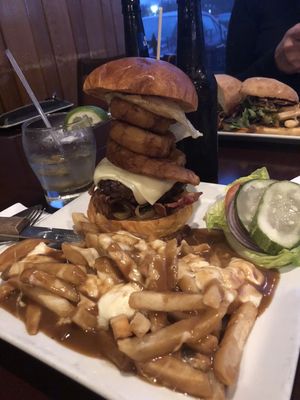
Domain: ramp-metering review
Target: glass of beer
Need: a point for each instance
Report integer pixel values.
(62, 157)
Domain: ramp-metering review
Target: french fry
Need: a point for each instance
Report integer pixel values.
(120, 327)
(158, 320)
(106, 266)
(140, 324)
(228, 356)
(79, 255)
(206, 345)
(166, 301)
(83, 225)
(16, 252)
(217, 387)
(43, 280)
(84, 319)
(94, 287)
(33, 316)
(188, 284)
(61, 307)
(198, 249)
(213, 296)
(87, 303)
(174, 373)
(171, 252)
(6, 289)
(68, 272)
(105, 245)
(167, 339)
(18, 267)
(200, 361)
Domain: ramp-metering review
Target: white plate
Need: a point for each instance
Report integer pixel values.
(269, 361)
(258, 135)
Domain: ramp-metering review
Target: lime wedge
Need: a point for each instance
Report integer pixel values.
(93, 113)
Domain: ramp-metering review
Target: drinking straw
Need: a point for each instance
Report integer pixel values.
(27, 87)
(160, 11)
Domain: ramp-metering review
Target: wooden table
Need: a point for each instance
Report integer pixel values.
(21, 376)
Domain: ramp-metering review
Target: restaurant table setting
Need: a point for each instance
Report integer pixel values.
(90, 343)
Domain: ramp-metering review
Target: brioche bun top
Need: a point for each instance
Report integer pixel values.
(229, 92)
(268, 87)
(143, 76)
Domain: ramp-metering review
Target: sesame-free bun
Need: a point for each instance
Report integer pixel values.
(143, 76)
(229, 92)
(268, 87)
(149, 228)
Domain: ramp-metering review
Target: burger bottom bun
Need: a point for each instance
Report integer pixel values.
(151, 228)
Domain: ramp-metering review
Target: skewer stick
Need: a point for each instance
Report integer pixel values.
(160, 11)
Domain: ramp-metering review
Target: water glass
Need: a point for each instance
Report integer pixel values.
(62, 157)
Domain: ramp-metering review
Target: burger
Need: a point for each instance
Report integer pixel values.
(141, 184)
(266, 106)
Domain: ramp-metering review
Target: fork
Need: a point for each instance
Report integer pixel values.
(16, 223)
(33, 214)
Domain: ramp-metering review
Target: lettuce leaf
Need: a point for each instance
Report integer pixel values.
(215, 218)
(283, 258)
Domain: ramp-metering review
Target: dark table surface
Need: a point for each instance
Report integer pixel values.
(21, 376)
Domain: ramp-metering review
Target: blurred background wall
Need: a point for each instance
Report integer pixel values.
(48, 37)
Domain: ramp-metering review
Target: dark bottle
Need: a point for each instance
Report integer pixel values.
(135, 39)
(202, 153)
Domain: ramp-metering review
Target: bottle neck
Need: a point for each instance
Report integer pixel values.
(130, 6)
(134, 33)
(190, 37)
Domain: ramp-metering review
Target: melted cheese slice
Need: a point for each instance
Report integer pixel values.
(144, 188)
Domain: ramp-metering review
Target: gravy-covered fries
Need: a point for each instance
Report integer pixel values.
(178, 314)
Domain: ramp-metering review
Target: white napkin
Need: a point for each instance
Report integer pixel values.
(296, 180)
(12, 210)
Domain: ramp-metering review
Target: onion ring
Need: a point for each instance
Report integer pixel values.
(135, 115)
(155, 167)
(141, 141)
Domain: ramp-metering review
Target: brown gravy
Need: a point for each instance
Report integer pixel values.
(90, 343)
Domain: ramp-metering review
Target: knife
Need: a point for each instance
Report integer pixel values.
(12, 228)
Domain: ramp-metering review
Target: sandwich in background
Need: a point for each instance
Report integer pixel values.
(266, 106)
(141, 184)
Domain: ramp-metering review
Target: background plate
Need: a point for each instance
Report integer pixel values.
(269, 361)
(261, 137)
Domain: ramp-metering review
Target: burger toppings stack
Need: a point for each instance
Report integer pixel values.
(140, 185)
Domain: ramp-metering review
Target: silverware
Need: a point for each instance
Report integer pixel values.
(13, 225)
(20, 226)
(50, 234)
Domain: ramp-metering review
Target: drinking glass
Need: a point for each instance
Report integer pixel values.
(62, 157)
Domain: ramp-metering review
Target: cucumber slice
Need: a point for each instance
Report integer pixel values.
(248, 198)
(93, 113)
(277, 221)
